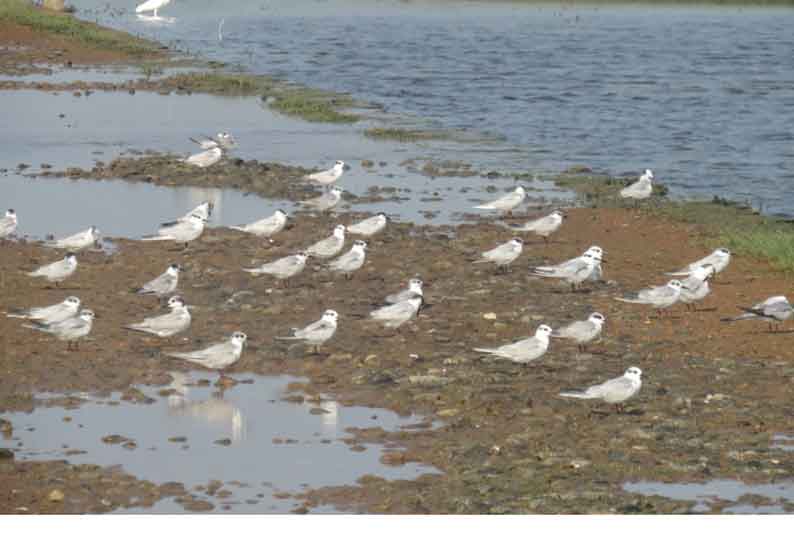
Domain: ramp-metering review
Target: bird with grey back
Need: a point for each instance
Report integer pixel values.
(719, 260)
(414, 289)
(218, 356)
(369, 226)
(50, 314)
(330, 246)
(394, 315)
(543, 226)
(70, 329)
(164, 284)
(504, 254)
(329, 176)
(774, 310)
(204, 159)
(8, 224)
(283, 268)
(640, 189)
(574, 271)
(614, 392)
(166, 325)
(317, 333)
(582, 332)
(265, 227)
(506, 203)
(58, 271)
(658, 297)
(78, 241)
(326, 201)
(696, 287)
(182, 231)
(350, 261)
(525, 350)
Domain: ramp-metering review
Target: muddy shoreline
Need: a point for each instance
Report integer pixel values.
(714, 395)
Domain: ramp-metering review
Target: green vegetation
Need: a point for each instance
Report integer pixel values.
(402, 134)
(308, 104)
(24, 13)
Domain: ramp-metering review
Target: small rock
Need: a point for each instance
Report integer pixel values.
(224, 442)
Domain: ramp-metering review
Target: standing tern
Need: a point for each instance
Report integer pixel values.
(218, 356)
(316, 333)
(70, 329)
(50, 314)
(640, 189)
(166, 325)
(506, 203)
(615, 391)
(524, 351)
(265, 227)
(543, 226)
(582, 331)
(58, 271)
(775, 310)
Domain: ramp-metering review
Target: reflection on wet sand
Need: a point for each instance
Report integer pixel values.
(215, 411)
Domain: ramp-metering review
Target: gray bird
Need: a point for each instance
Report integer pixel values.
(641, 189)
(166, 325)
(164, 284)
(326, 201)
(659, 297)
(218, 356)
(524, 351)
(181, 231)
(369, 226)
(265, 227)
(504, 254)
(393, 316)
(574, 271)
(696, 286)
(506, 203)
(283, 268)
(8, 224)
(543, 226)
(78, 241)
(50, 314)
(224, 140)
(719, 260)
(202, 210)
(58, 271)
(615, 391)
(582, 331)
(774, 310)
(316, 333)
(350, 261)
(330, 246)
(70, 329)
(414, 289)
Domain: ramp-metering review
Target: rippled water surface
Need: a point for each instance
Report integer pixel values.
(704, 95)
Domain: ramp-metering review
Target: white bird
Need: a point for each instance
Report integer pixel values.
(414, 289)
(719, 260)
(330, 246)
(57, 271)
(204, 159)
(615, 391)
(504, 254)
(181, 231)
(506, 203)
(152, 5)
(640, 189)
(523, 351)
(224, 140)
(543, 226)
(163, 285)
(218, 356)
(696, 286)
(329, 176)
(70, 329)
(8, 224)
(582, 331)
(166, 325)
(78, 241)
(659, 297)
(326, 201)
(283, 268)
(395, 315)
(774, 310)
(370, 226)
(574, 271)
(265, 227)
(203, 210)
(317, 332)
(350, 261)
(50, 314)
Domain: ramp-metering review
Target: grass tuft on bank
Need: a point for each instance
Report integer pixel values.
(24, 13)
(293, 100)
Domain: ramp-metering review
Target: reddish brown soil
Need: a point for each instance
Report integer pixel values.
(499, 417)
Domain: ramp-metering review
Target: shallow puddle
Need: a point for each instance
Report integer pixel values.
(721, 492)
(257, 445)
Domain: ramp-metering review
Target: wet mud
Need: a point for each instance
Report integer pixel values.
(714, 394)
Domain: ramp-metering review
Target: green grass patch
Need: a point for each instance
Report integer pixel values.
(23, 13)
(402, 134)
(293, 100)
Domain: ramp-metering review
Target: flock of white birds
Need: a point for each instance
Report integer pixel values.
(69, 322)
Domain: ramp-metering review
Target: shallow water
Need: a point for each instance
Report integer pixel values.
(707, 494)
(275, 445)
(149, 121)
(701, 94)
